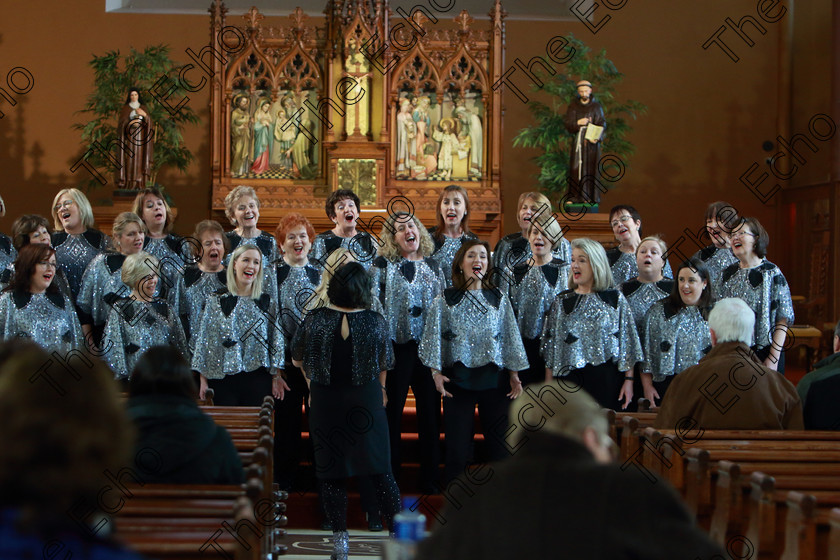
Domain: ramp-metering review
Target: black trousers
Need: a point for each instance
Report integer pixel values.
(247, 388)
(288, 426)
(536, 365)
(762, 353)
(603, 382)
(410, 372)
(458, 420)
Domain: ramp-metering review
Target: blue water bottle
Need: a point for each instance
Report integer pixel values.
(409, 529)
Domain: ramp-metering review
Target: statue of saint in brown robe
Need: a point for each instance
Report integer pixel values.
(136, 132)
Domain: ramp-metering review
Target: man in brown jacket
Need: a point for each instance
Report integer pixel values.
(730, 388)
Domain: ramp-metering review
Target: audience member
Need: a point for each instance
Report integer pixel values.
(820, 391)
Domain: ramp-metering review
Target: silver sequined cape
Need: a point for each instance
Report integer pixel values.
(590, 329)
(445, 250)
(474, 327)
(237, 334)
(531, 291)
(406, 290)
(198, 288)
(716, 260)
(49, 319)
(295, 287)
(362, 246)
(73, 254)
(765, 290)
(135, 326)
(103, 276)
(641, 295)
(674, 339)
(514, 248)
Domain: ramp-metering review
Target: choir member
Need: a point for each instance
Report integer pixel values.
(676, 334)
(319, 298)
(208, 275)
(406, 282)
(297, 279)
(650, 285)
(626, 224)
(32, 306)
(589, 336)
(32, 228)
(103, 275)
(138, 321)
(762, 285)
(469, 340)
(75, 240)
(344, 350)
(513, 248)
(532, 286)
(171, 250)
(238, 349)
(452, 229)
(721, 220)
(242, 208)
(342, 207)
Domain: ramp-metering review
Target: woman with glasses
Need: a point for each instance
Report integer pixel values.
(626, 224)
(75, 240)
(33, 307)
(721, 219)
(762, 285)
(138, 321)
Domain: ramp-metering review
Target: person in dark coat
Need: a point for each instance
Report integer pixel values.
(730, 388)
(191, 447)
(560, 495)
(820, 391)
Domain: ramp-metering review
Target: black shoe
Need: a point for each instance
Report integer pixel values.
(374, 522)
(326, 525)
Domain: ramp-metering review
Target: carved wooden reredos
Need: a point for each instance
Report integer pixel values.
(403, 120)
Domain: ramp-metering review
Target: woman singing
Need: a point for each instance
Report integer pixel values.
(453, 228)
(33, 307)
(242, 208)
(589, 336)
(762, 285)
(626, 224)
(342, 207)
(139, 321)
(407, 282)
(676, 334)
(75, 240)
(238, 349)
(208, 275)
(474, 349)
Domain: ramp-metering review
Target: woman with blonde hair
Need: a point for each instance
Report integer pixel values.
(589, 337)
(239, 349)
(103, 275)
(138, 321)
(406, 282)
(515, 248)
(242, 208)
(75, 239)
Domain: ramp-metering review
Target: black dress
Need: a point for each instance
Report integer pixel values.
(348, 425)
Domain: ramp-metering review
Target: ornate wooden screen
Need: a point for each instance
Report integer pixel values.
(304, 108)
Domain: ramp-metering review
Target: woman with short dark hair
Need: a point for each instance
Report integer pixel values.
(192, 448)
(342, 208)
(626, 224)
(32, 228)
(762, 285)
(344, 350)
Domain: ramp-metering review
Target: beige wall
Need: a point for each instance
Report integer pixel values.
(707, 116)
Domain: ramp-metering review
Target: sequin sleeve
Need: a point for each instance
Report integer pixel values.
(318, 249)
(549, 333)
(96, 282)
(629, 347)
(7, 309)
(781, 298)
(430, 345)
(177, 337)
(209, 333)
(513, 351)
(115, 356)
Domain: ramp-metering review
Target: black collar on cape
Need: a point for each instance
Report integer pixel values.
(453, 296)
(22, 298)
(92, 236)
(284, 268)
(571, 298)
(262, 241)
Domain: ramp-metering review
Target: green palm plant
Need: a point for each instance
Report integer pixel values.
(113, 76)
(549, 134)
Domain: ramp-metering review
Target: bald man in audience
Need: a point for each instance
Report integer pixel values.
(560, 495)
(730, 388)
